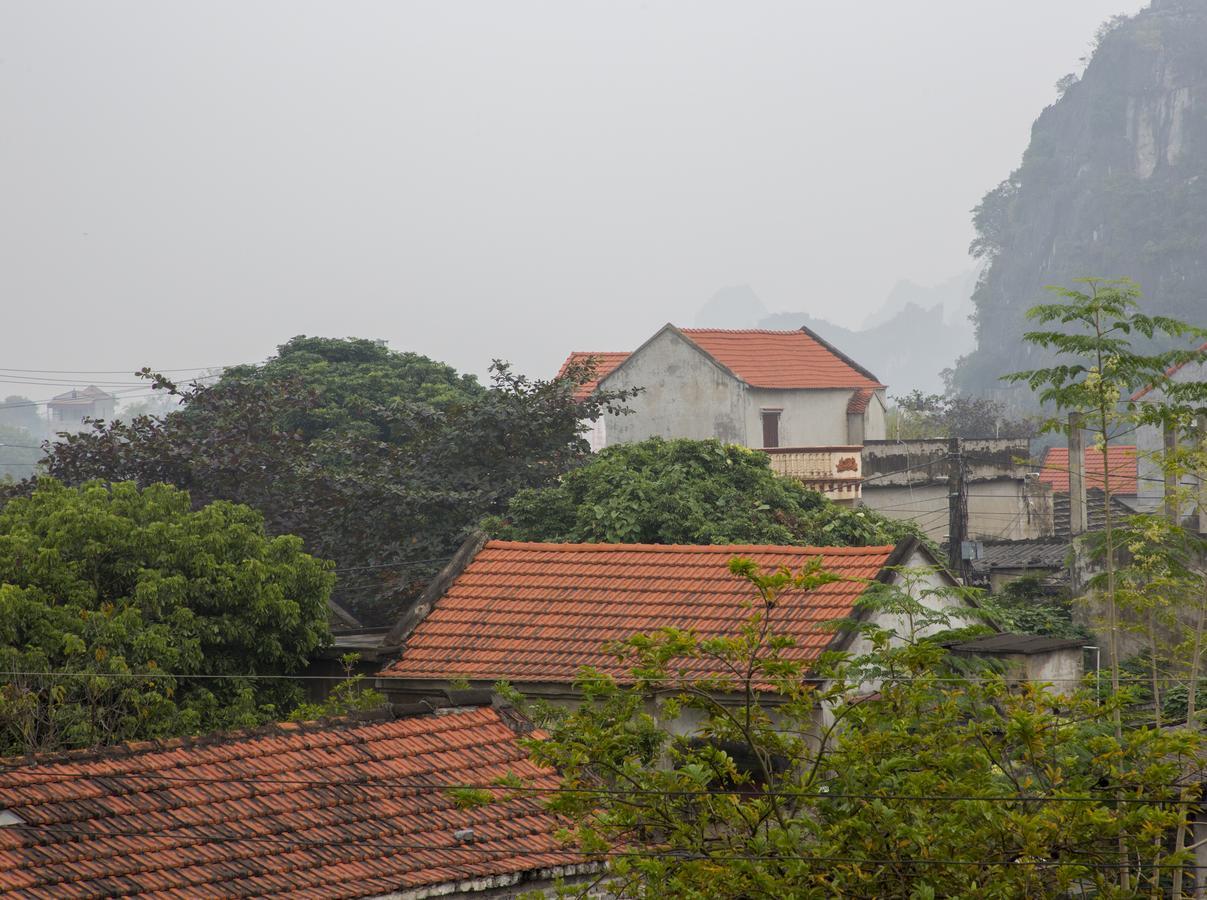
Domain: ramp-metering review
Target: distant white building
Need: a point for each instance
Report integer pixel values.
(761, 389)
(67, 411)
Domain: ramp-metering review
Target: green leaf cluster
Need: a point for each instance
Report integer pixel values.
(686, 492)
(115, 600)
(887, 771)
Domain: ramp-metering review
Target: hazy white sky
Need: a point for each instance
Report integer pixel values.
(191, 183)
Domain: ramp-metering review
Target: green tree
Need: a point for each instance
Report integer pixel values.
(380, 461)
(115, 601)
(19, 453)
(21, 412)
(686, 492)
(890, 774)
(1097, 375)
(918, 415)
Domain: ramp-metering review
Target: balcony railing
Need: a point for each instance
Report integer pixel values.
(836, 472)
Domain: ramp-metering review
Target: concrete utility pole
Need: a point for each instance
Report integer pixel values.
(1202, 475)
(1078, 523)
(957, 510)
(1173, 509)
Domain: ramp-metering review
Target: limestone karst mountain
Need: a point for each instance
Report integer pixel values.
(1112, 184)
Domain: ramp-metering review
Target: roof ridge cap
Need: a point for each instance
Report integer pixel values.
(604, 546)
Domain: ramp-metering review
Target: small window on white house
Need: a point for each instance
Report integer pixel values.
(771, 427)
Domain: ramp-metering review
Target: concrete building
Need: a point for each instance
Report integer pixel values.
(909, 480)
(1059, 662)
(760, 389)
(67, 411)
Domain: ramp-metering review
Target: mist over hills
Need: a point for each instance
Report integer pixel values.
(1112, 184)
(907, 342)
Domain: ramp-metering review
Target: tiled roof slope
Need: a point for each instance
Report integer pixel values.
(858, 404)
(298, 811)
(531, 612)
(781, 359)
(605, 362)
(1121, 460)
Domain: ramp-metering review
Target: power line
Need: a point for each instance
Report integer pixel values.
(115, 371)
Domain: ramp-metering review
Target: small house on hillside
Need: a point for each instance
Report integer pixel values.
(338, 809)
(760, 389)
(535, 614)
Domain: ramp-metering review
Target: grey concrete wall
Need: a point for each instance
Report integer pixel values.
(685, 396)
(1060, 668)
(814, 418)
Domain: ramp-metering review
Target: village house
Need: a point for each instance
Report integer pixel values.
(535, 614)
(354, 808)
(760, 389)
(67, 411)
(910, 480)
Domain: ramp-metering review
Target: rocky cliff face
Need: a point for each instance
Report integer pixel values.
(1111, 185)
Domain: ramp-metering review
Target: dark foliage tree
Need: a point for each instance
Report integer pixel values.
(687, 492)
(114, 599)
(380, 461)
(920, 415)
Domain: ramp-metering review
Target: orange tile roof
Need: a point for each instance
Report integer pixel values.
(1121, 460)
(781, 359)
(605, 362)
(298, 811)
(858, 404)
(532, 612)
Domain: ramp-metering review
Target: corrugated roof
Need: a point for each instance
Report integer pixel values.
(781, 359)
(604, 363)
(1121, 460)
(533, 612)
(296, 811)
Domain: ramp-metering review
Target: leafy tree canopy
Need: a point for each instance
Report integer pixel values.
(21, 412)
(378, 460)
(116, 590)
(940, 783)
(919, 415)
(19, 453)
(687, 492)
(356, 380)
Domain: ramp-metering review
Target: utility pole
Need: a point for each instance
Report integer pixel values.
(1078, 520)
(1173, 509)
(957, 510)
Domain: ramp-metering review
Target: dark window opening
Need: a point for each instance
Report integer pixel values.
(771, 428)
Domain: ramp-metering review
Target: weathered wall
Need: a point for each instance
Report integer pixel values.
(685, 396)
(816, 418)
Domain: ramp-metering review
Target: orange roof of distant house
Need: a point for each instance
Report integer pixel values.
(782, 359)
(1169, 373)
(1120, 459)
(536, 612)
(604, 362)
(331, 810)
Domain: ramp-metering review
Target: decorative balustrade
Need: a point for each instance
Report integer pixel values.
(836, 472)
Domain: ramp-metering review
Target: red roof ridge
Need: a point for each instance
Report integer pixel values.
(741, 330)
(689, 548)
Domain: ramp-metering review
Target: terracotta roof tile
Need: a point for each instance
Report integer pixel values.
(1121, 460)
(322, 810)
(858, 404)
(540, 612)
(604, 362)
(781, 359)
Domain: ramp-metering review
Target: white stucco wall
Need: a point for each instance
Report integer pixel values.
(813, 418)
(685, 395)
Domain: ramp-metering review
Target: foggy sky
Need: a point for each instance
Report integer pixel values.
(191, 183)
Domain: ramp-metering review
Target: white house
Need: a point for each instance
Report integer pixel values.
(761, 389)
